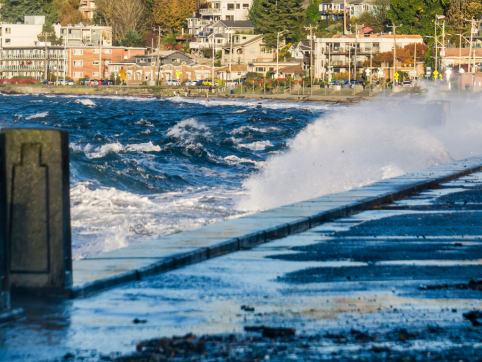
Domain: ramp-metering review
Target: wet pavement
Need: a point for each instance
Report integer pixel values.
(392, 283)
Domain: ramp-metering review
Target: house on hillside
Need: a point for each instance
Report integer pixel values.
(223, 30)
(335, 9)
(247, 49)
(216, 10)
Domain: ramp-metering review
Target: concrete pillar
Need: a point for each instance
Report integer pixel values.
(442, 109)
(39, 234)
(6, 313)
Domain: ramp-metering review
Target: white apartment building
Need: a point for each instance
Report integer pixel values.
(93, 35)
(335, 9)
(338, 53)
(231, 10)
(26, 35)
(87, 8)
(23, 34)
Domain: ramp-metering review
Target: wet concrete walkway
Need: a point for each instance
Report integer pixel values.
(403, 266)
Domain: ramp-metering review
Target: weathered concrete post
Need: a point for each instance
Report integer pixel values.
(442, 108)
(39, 234)
(6, 313)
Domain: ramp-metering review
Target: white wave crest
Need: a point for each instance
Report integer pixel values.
(257, 146)
(37, 115)
(117, 147)
(85, 102)
(187, 129)
(234, 160)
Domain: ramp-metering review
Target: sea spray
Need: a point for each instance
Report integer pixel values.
(347, 149)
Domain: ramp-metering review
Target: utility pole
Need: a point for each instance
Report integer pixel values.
(311, 56)
(46, 59)
(344, 18)
(158, 66)
(415, 61)
(394, 50)
(475, 24)
(230, 54)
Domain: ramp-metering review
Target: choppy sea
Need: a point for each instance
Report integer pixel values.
(142, 168)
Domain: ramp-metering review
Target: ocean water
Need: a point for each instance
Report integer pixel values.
(142, 168)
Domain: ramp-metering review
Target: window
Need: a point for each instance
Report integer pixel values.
(260, 69)
(8, 30)
(95, 74)
(108, 51)
(230, 6)
(176, 60)
(78, 52)
(244, 38)
(119, 58)
(95, 62)
(78, 74)
(95, 51)
(238, 6)
(7, 41)
(78, 63)
(0, 31)
(245, 6)
(271, 69)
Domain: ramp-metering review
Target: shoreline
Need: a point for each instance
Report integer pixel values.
(157, 93)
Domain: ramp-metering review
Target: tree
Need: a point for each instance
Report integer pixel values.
(377, 18)
(273, 16)
(313, 12)
(68, 11)
(122, 16)
(13, 11)
(132, 39)
(48, 34)
(172, 14)
(458, 12)
(417, 16)
(405, 55)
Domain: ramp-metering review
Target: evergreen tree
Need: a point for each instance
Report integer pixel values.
(417, 16)
(313, 12)
(132, 39)
(273, 16)
(13, 11)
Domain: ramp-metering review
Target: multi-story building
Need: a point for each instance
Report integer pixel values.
(343, 53)
(231, 10)
(25, 35)
(336, 9)
(75, 61)
(81, 34)
(223, 31)
(93, 62)
(87, 8)
(32, 61)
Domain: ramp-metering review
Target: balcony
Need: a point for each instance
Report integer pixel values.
(209, 11)
(23, 56)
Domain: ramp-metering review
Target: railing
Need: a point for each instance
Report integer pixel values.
(22, 68)
(32, 56)
(209, 11)
(352, 50)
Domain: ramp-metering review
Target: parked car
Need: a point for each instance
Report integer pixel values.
(199, 83)
(69, 82)
(407, 83)
(93, 82)
(173, 82)
(191, 83)
(208, 83)
(46, 81)
(108, 82)
(354, 83)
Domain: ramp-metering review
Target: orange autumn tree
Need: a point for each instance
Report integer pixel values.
(405, 55)
(172, 14)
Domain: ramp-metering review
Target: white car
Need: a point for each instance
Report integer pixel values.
(173, 82)
(191, 83)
